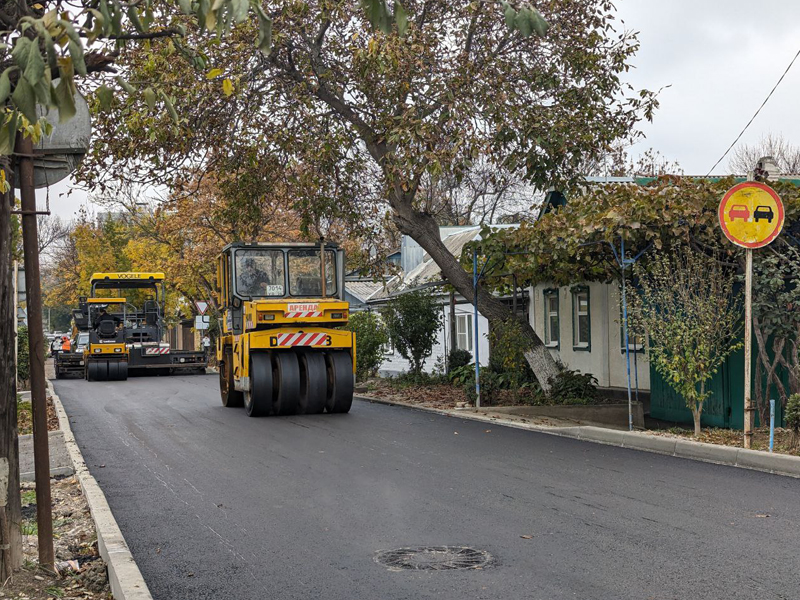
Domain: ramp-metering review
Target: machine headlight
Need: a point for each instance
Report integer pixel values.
(266, 317)
(337, 315)
(98, 350)
(81, 363)
(117, 349)
(183, 360)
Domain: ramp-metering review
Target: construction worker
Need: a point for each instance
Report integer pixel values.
(65, 344)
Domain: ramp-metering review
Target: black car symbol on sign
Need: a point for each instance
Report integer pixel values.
(763, 212)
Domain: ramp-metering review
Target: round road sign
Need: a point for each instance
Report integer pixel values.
(751, 214)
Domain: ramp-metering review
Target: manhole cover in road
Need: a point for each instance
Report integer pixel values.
(434, 558)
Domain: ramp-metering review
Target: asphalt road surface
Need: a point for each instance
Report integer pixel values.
(218, 505)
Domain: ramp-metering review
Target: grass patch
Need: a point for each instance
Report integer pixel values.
(29, 527)
(24, 417)
(28, 497)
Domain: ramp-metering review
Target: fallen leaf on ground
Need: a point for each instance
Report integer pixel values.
(762, 516)
(526, 537)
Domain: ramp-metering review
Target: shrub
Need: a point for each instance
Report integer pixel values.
(412, 320)
(507, 357)
(792, 418)
(462, 375)
(573, 387)
(458, 358)
(371, 336)
(23, 357)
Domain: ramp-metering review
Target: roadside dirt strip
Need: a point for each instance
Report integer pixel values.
(124, 576)
(778, 464)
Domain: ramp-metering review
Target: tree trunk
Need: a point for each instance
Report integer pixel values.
(697, 409)
(425, 231)
(10, 508)
(697, 414)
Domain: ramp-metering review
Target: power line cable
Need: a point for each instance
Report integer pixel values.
(738, 137)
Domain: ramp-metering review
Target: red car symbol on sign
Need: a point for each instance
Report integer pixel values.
(739, 211)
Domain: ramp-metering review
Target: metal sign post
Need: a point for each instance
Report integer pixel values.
(477, 339)
(751, 216)
(54, 158)
(749, 409)
(33, 292)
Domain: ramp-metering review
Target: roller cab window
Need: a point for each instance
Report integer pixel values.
(260, 273)
(305, 274)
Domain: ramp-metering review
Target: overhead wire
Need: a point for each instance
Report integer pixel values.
(753, 118)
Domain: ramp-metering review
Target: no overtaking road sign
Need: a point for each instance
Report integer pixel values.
(751, 214)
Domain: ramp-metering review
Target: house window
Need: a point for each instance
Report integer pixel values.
(581, 320)
(464, 332)
(551, 318)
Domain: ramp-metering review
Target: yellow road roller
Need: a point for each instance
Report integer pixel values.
(282, 349)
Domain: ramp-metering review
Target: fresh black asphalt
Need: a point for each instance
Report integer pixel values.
(214, 504)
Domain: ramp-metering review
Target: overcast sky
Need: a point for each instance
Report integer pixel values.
(719, 58)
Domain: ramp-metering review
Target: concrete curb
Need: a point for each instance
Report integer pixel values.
(777, 464)
(124, 577)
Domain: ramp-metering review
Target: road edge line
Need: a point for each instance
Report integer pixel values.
(124, 577)
(731, 456)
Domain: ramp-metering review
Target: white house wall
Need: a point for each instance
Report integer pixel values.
(605, 358)
(394, 364)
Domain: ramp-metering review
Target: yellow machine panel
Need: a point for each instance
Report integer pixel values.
(126, 276)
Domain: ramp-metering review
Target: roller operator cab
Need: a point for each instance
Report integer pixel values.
(106, 355)
(282, 348)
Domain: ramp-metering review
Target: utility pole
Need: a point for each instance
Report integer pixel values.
(33, 292)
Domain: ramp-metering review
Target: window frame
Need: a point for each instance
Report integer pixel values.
(468, 319)
(577, 345)
(288, 274)
(546, 295)
(256, 251)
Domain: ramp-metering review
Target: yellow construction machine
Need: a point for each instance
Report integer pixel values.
(281, 348)
(106, 355)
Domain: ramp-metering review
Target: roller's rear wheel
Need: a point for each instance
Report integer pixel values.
(286, 375)
(340, 381)
(313, 382)
(230, 397)
(123, 370)
(258, 401)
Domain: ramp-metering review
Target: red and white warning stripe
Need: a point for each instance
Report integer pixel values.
(301, 339)
(303, 315)
(156, 350)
